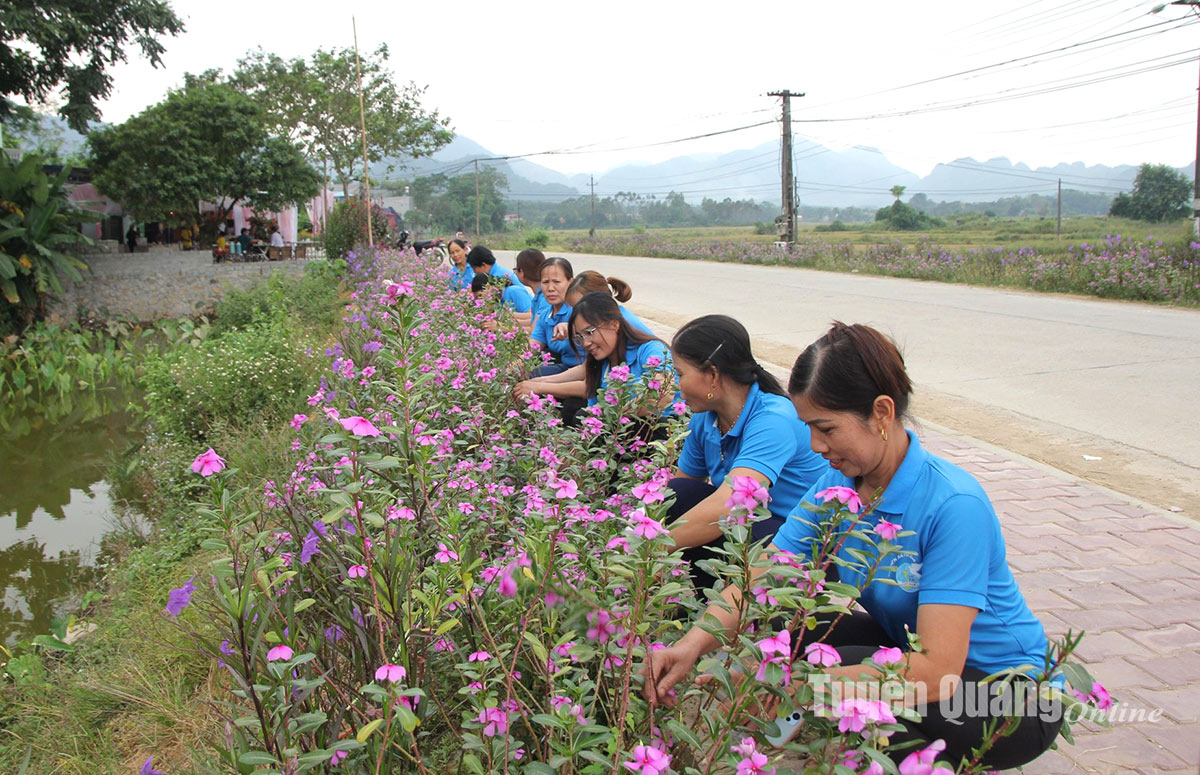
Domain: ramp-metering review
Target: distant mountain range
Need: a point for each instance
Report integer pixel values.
(855, 176)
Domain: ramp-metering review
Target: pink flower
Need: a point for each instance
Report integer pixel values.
(747, 492)
(390, 673)
(874, 768)
(887, 530)
(508, 585)
(822, 654)
(679, 408)
(208, 463)
(1100, 696)
(564, 488)
(445, 555)
(494, 720)
(337, 757)
(921, 762)
(650, 492)
(648, 760)
(644, 526)
(619, 374)
(886, 655)
(763, 595)
(298, 420)
(755, 764)
(356, 571)
(403, 288)
(479, 656)
(844, 495)
(776, 650)
(359, 426)
(854, 714)
(602, 626)
(281, 653)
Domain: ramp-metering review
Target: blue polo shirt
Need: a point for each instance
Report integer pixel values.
(767, 438)
(636, 356)
(461, 280)
(958, 558)
(543, 334)
(516, 299)
(539, 302)
(499, 271)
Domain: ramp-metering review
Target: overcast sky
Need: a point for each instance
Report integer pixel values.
(536, 76)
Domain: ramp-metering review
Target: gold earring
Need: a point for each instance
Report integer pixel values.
(883, 433)
(710, 395)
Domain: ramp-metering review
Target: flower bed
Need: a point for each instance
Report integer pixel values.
(452, 581)
(1118, 268)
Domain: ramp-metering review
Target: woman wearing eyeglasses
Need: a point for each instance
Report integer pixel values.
(598, 329)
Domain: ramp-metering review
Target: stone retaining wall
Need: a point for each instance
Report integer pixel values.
(156, 285)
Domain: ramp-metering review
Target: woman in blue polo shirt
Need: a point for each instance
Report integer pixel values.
(555, 275)
(743, 425)
(461, 272)
(599, 330)
(955, 591)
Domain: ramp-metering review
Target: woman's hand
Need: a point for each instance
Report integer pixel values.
(523, 389)
(664, 669)
(560, 332)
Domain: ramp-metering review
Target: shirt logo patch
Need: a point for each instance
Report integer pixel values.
(908, 574)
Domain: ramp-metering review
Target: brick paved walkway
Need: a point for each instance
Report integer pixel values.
(1129, 575)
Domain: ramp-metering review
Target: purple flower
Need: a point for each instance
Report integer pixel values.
(180, 598)
(310, 547)
(148, 769)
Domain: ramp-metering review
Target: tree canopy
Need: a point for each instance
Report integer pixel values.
(206, 142)
(449, 203)
(1159, 194)
(66, 42)
(315, 103)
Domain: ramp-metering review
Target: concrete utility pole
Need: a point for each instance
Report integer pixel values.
(788, 188)
(476, 199)
(1058, 228)
(1195, 6)
(592, 183)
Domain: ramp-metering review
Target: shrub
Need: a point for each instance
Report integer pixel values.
(537, 238)
(346, 227)
(241, 376)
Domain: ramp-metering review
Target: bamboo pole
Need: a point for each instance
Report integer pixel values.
(362, 117)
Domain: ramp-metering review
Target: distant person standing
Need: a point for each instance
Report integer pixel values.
(131, 238)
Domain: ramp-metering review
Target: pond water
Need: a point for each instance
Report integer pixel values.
(55, 507)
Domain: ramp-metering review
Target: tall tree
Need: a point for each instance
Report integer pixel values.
(898, 191)
(206, 142)
(1159, 194)
(315, 102)
(48, 43)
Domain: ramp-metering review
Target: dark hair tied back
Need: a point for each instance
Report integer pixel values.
(848, 368)
(723, 343)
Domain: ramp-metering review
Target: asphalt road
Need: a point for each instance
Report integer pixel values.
(1052, 377)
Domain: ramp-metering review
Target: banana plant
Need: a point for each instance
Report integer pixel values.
(39, 227)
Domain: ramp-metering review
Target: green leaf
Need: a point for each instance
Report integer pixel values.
(52, 643)
(306, 603)
(408, 720)
(253, 758)
(368, 730)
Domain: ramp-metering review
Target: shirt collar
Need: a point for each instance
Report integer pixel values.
(898, 492)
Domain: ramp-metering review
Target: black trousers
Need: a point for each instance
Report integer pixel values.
(961, 721)
(688, 494)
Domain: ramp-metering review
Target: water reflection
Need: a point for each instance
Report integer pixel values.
(54, 505)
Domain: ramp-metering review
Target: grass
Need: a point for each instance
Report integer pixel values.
(1036, 233)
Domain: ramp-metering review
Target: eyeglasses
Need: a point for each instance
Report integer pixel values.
(585, 336)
